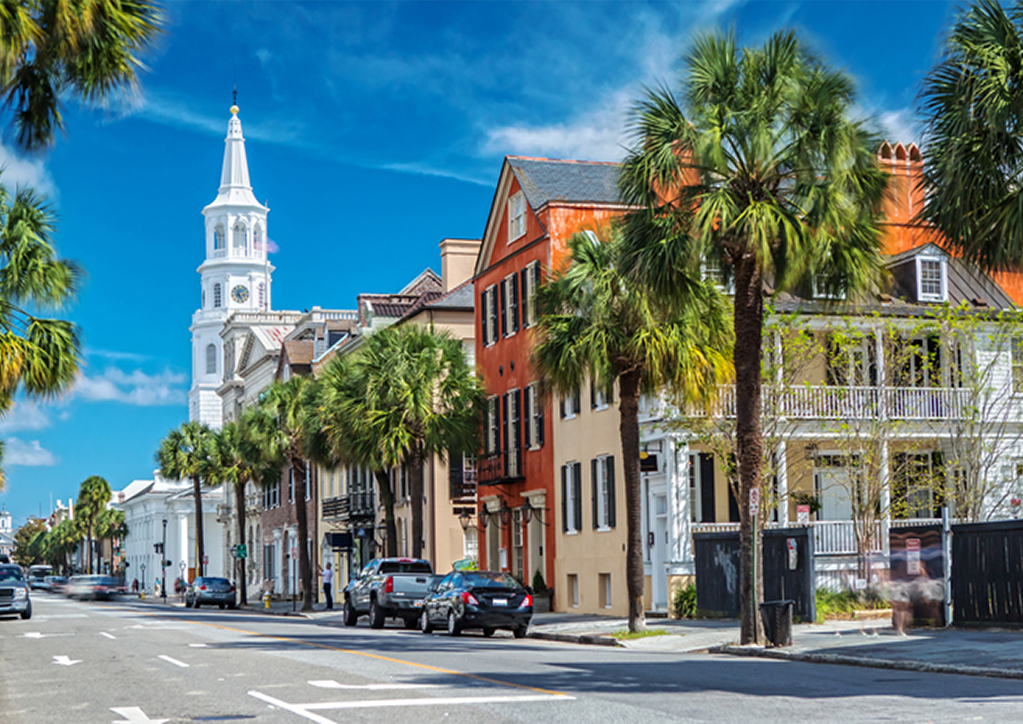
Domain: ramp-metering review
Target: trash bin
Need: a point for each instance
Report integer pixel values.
(777, 618)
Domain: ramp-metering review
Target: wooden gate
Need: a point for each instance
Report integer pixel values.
(987, 574)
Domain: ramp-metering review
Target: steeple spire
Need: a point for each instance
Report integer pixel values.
(235, 187)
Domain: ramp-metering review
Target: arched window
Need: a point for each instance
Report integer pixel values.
(239, 236)
(211, 359)
(262, 295)
(216, 296)
(218, 237)
(257, 238)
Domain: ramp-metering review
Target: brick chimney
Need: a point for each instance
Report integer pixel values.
(457, 261)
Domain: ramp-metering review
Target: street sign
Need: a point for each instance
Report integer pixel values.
(205, 560)
(803, 514)
(242, 551)
(913, 566)
(793, 554)
(754, 501)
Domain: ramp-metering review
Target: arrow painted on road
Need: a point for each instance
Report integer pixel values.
(133, 715)
(66, 660)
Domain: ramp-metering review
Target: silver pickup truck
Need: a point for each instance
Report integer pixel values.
(388, 587)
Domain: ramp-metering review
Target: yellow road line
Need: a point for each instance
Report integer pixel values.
(379, 657)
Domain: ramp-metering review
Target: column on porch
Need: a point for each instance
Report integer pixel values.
(884, 470)
(782, 475)
(679, 512)
(182, 546)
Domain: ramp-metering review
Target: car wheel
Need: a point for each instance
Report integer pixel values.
(520, 632)
(350, 617)
(454, 628)
(27, 613)
(376, 615)
(411, 622)
(424, 622)
(195, 603)
(488, 632)
(221, 607)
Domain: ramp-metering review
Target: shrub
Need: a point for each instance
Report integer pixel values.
(835, 604)
(683, 601)
(539, 585)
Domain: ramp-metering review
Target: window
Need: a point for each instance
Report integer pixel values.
(509, 306)
(516, 216)
(570, 404)
(211, 359)
(605, 589)
(529, 281)
(257, 238)
(573, 588)
(930, 274)
(471, 543)
(851, 361)
(493, 425)
(489, 316)
(602, 471)
(821, 291)
(262, 295)
(239, 236)
(217, 296)
(272, 496)
(268, 562)
(711, 270)
(291, 485)
(600, 395)
(701, 488)
(518, 557)
(1017, 365)
(532, 417)
(571, 495)
(218, 237)
(308, 482)
(512, 432)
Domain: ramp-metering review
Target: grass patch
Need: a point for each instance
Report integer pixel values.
(623, 634)
(842, 604)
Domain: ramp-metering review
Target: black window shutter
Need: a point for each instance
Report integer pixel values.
(524, 283)
(518, 420)
(577, 484)
(504, 307)
(564, 497)
(484, 332)
(504, 423)
(593, 394)
(513, 291)
(610, 461)
(561, 402)
(527, 420)
(708, 513)
(539, 422)
(492, 309)
(596, 491)
(456, 476)
(576, 401)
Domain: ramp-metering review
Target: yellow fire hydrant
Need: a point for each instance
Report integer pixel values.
(266, 599)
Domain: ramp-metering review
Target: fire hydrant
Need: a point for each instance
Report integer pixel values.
(266, 599)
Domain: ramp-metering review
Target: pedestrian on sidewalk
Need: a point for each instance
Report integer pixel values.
(328, 580)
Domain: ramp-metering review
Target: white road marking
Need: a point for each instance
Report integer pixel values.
(38, 635)
(49, 616)
(197, 646)
(328, 684)
(156, 628)
(372, 704)
(182, 664)
(109, 636)
(134, 715)
(66, 661)
(293, 709)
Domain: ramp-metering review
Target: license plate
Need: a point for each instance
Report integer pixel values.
(500, 601)
(417, 604)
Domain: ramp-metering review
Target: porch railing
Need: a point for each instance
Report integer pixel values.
(831, 537)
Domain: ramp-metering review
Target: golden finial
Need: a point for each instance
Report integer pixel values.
(234, 101)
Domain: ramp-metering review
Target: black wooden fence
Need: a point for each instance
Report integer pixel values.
(987, 574)
(786, 576)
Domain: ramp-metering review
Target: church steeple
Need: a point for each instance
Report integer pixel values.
(235, 187)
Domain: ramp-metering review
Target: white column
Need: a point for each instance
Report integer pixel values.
(182, 546)
(783, 484)
(679, 512)
(884, 475)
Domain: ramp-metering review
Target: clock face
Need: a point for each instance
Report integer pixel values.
(240, 293)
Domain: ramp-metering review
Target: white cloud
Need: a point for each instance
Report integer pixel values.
(900, 126)
(115, 355)
(28, 454)
(18, 171)
(26, 415)
(132, 388)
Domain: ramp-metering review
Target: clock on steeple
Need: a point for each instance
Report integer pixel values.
(240, 293)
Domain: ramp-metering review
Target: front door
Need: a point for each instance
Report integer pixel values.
(658, 554)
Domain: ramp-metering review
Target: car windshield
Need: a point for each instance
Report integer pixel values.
(212, 581)
(11, 574)
(405, 567)
(486, 579)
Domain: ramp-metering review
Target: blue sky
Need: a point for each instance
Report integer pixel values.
(373, 131)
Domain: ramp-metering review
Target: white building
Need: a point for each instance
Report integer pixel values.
(6, 533)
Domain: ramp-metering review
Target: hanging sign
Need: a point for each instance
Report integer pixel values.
(913, 567)
(803, 514)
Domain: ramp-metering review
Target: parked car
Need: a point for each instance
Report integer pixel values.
(210, 590)
(487, 600)
(388, 587)
(56, 584)
(14, 592)
(93, 587)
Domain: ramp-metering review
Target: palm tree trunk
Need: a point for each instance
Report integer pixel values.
(387, 499)
(415, 477)
(89, 543)
(628, 426)
(200, 549)
(305, 572)
(239, 504)
(749, 322)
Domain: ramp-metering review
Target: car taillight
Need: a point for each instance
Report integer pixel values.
(389, 585)
(469, 599)
(202, 588)
(527, 601)
(232, 589)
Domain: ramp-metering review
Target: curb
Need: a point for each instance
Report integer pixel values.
(586, 639)
(869, 662)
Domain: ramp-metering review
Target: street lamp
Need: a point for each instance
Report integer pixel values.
(163, 563)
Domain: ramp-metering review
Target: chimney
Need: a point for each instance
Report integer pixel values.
(457, 261)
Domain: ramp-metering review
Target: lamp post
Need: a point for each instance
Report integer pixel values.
(163, 563)
(142, 567)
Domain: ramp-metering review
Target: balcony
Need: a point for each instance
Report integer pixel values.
(347, 507)
(335, 508)
(462, 488)
(499, 468)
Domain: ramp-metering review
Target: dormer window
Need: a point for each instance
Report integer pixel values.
(516, 217)
(931, 283)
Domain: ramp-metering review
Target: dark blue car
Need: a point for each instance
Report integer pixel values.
(484, 600)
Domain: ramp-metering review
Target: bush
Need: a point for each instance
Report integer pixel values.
(683, 601)
(841, 604)
(539, 585)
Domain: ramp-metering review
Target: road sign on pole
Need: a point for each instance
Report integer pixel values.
(754, 501)
(242, 551)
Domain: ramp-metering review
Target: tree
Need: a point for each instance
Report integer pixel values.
(110, 526)
(184, 455)
(63, 540)
(51, 49)
(286, 431)
(972, 104)
(595, 322)
(93, 496)
(26, 548)
(760, 169)
(238, 459)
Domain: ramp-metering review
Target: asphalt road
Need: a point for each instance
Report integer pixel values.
(83, 663)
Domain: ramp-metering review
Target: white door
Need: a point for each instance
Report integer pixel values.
(658, 555)
(834, 491)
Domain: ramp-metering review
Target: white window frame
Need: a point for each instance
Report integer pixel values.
(239, 232)
(509, 311)
(526, 300)
(493, 422)
(571, 502)
(1016, 365)
(218, 296)
(516, 216)
(603, 494)
(573, 404)
(491, 321)
(942, 265)
(211, 359)
(819, 293)
(535, 417)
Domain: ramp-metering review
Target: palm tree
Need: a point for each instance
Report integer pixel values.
(596, 322)
(284, 426)
(93, 496)
(53, 48)
(63, 540)
(972, 104)
(421, 399)
(343, 416)
(237, 459)
(184, 454)
(760, 168)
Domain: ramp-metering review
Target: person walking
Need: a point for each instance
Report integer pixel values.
(328, 580)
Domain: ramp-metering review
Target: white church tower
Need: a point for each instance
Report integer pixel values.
(235, 274)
